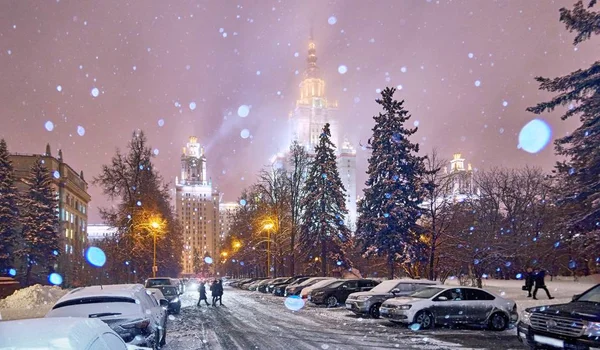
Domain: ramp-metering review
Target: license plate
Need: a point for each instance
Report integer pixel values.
(383, 311)
(549, 341)
(348, 306)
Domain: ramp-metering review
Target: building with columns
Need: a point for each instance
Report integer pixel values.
(197, 206)
(73, 203)
(313, 110)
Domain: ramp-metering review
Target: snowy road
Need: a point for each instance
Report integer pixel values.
(250, 320)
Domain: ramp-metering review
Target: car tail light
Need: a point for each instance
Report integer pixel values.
(140, 324)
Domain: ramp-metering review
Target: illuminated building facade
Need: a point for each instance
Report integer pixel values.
(197, 206)
(73, 203)
(313, 110)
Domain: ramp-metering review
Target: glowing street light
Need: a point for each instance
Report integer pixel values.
(268, 227)
(155, 225)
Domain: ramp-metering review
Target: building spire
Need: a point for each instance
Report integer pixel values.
(311, 69)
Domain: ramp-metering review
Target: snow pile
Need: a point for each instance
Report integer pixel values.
(33, 297)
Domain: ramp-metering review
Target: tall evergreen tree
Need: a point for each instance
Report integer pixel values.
(580, 90)
(390, 208)
(8, 209)
(41, 242)
(323, 226)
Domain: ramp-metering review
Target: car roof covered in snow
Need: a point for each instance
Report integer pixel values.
(54, 333)
(116, 290)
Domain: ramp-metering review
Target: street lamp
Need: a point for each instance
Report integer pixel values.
(268, 227)
(155, 225)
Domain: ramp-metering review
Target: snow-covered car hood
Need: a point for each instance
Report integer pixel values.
(402, 300)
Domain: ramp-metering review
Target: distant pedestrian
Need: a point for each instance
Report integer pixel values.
(219, 290)
(213, 292)
(540, 283)
(202, 291)
(529, 281)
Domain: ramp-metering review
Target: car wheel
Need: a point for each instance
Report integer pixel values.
(424, 319)
(332, 301)
(498, 322)
(374, 310)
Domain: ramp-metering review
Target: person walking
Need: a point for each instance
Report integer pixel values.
(219, 290)
(540, 274)
(529, 281)
(214, 292)
(202, 291)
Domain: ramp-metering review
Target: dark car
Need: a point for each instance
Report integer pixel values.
(272, 284)
(335, 293)
(279, 288)
(171, 293)
(264, 286)
(574, 325)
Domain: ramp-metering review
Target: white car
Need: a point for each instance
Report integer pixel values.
(456, 305)
(128, 309)
(60, 333)
(296, 288)
(306, 291)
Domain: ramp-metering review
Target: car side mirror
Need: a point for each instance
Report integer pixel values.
(164, 302)
(575, 297)
(442, 298)
(395, 291)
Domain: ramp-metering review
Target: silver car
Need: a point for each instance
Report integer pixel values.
(445, 306)
(369, 302)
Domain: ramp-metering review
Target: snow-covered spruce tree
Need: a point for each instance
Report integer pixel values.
(41, 242)
(387, 225)
(323, 228)
(9, 212)
(580, 90)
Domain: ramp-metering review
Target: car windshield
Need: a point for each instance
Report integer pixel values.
(385, 286)
(426, 293)
(161, 282)
(168, 291)
(593, 295)
(333, 284)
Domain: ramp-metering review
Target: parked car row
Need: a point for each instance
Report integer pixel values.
(417, 302)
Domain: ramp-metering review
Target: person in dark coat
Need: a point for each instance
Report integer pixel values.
(529, 281)
(202, 291)
(219, 290)
(540, 283)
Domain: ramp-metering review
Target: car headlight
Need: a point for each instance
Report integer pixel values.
(318, 293)
(362, 297)
(526, 319)
(175, 300)
(592, 329)
(404, 307)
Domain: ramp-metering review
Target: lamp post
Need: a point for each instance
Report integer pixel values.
(155, 225)
(268, 227)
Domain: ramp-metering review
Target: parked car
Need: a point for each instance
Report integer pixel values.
(246, 285)
(159, 281)
(63, 332)
(296, 288)
(134, 315)
(369, 302)
(264, 286)
(335, 293)
(574, 325)
(447, 306)
(171, 293)
(306, 290)
(254, 285)
(279, 288)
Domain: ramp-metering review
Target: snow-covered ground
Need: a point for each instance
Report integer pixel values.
(30, 302)
(252, 320)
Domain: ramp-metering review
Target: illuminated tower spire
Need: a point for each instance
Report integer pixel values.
(312, 71)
